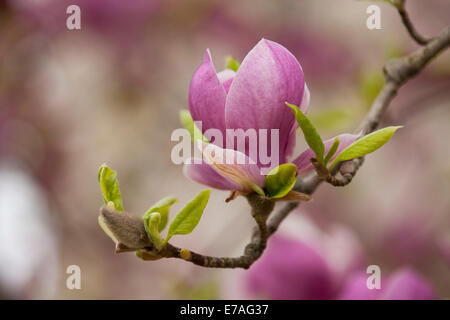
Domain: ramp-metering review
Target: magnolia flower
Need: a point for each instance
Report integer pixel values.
(253, 98)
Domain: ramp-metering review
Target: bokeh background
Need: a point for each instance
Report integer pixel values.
(111, 92)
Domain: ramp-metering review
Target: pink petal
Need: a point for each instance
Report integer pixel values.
(305, 99)
(407, 284)
(290, 143)
(302, 161)
(207, 96)
(355, 288)
(404, 284)
(202, 172)
(226, 78)
(290, 269)
(232, 165)
(268, 77)
(293, 134)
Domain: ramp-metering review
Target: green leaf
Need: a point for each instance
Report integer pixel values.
(365, 145)
(151, 224)
(188, 123)
(257, 189)
(232, 64)
(162, 206)
(312, 137)
(280, 180)
(188, 218)
(110, 186)
(332, 151)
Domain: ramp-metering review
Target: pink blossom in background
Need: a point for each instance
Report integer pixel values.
(290, 269)
(404, 284)
(410, 239)
(293, 269)
(304, 255)
(106, 15)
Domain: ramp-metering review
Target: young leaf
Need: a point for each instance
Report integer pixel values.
(232, 64)
(280, 180)
(332, 151)
(295, 196)
(188, 218)
(110, 186)
(257, 189)
(162, 206)
(151, 224)
(365, 145)
(312, 137)
(188, 123)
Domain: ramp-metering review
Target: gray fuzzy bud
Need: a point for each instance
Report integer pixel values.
(127, 228)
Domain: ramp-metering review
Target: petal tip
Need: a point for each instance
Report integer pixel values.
(207, 58)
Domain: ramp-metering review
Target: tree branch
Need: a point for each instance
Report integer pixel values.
(396, 73)
(347, 171)
(261, 209)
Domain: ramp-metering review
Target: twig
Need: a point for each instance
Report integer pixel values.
(347, 171)
(396, 73)
(261, 209)
(408, 24)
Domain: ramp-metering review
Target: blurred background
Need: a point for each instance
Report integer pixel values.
(111, 92)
